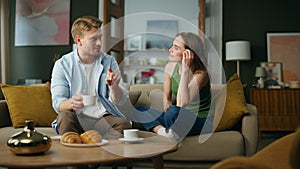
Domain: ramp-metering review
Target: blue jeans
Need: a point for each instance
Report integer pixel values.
(181, 121)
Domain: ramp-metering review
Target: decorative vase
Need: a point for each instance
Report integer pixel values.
(29, 141)
(261, 83)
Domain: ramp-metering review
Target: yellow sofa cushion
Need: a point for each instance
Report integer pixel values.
(29, 103)
(235, 105)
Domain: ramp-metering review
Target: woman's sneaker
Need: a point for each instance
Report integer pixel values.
(170, 134)
(163, 132)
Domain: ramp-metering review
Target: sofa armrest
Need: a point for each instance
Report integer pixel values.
(4, 114)
(250, 130)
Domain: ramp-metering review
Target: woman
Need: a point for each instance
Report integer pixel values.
(185, 77)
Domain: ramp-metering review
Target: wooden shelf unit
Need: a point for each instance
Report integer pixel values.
(278, 109)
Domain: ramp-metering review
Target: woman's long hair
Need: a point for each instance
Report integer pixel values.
(194, 43)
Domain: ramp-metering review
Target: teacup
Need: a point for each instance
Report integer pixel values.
(131, 133)
(89, 100)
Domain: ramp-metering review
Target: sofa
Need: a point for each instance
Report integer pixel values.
(239, 140)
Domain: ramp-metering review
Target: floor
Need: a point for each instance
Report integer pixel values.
(266, 138)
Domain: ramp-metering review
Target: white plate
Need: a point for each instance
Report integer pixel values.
(56, 137)
(86, 145)
(131, 139)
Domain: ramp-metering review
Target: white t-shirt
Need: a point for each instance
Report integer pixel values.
(97, 110)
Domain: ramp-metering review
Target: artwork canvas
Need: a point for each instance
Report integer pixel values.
(43, 22)
(274, 70)
(285, 48)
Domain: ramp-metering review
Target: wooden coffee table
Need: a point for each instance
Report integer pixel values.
(112, 153)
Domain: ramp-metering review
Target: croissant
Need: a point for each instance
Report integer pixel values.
(91, 137)
(71, 137)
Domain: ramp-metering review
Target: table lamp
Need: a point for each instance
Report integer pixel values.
(260, 72)
(238, 50)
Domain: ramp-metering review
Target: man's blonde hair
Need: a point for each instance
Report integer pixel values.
(83, 24)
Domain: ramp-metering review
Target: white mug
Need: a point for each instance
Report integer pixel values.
(131, 133)
(89, 100)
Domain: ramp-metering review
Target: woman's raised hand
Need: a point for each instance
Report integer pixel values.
(187, 58)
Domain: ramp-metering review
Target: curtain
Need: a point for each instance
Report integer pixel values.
(213, 30)
(4, 41)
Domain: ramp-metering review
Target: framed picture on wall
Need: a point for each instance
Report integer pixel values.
(273, 70)
(285, 48)
(134, 43)
(40, 23)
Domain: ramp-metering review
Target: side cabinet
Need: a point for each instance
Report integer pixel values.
(278, 109)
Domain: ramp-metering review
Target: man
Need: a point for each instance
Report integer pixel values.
(87, 70)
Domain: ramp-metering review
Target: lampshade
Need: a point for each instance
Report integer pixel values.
(260, 72)
(238, 50)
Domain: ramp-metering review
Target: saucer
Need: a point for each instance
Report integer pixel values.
(56, 137)
(131, 139)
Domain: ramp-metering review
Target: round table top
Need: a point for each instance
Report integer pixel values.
(112, 152)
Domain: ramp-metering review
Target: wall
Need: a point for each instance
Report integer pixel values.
(37, 61)
(251, 20)
(187, 9)
(185, 13)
